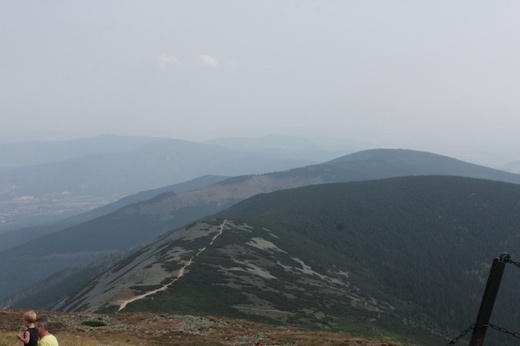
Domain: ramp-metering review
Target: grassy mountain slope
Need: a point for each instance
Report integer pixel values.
(131, 225)
(143, 221)
(394, 257)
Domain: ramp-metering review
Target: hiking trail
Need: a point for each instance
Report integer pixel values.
(124, 303)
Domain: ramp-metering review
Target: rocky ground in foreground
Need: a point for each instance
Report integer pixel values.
(83, 329)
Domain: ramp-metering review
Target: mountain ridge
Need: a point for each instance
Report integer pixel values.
(173, 211)
(319, 256)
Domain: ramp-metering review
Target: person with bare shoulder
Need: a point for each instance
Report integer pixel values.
(29, 334)
(46, 338)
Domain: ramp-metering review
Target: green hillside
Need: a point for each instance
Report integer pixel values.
(395, 257)
(424, 240)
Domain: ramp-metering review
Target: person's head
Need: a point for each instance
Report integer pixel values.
(42, 323)
(29, 317)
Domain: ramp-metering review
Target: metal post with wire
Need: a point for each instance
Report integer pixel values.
(488, 299)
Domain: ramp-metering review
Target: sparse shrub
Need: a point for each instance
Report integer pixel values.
(94, 323)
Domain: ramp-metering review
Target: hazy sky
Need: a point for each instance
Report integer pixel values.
(432, 75)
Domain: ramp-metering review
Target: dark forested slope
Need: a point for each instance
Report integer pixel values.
(393, 255)
(427, 240)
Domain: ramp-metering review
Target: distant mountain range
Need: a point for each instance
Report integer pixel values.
(43, 182)
(144, 221)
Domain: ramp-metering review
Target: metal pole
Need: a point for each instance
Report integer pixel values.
(488, 300)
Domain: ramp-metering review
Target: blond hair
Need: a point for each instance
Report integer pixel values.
(29, 316)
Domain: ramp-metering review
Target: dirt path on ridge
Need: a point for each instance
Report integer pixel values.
(124, 303)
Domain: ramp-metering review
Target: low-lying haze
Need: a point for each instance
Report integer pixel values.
(426, 75)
